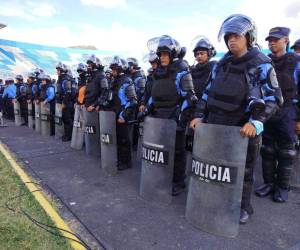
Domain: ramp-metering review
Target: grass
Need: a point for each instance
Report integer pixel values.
(16, 231)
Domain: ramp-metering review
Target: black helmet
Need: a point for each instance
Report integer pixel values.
(132, 63)
(118, 63)
(81, 68)
(62, 67)
(153, 58)
(93, 59)
(296, 44)
(19, 77)
(166, 43)
(45, 77)
(241, 25)
(202, 43)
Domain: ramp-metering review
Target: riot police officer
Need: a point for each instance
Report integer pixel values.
(243, 91)
(97, 84)
(173, 97)
(137, 76)
(203, 52)
(47, 96)
(21, 91)
(278, 150)
(153, 59)
(296, 46)
(124, 103)
(82, 79)
(65, 94)
(2, 87)
(9, 94)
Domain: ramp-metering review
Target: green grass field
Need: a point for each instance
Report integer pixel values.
(16, 231)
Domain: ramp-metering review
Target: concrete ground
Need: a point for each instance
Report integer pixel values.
(110, 212)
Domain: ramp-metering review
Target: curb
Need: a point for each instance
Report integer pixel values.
(41, 198)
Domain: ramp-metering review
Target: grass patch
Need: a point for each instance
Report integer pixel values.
(16, 231)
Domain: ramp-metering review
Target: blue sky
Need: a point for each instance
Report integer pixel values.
(126, 25)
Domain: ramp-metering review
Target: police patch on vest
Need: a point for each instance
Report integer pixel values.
(106, 138)
(37, 115)
(76, 124)
(213, 172)
(90, 129)
(155, 155)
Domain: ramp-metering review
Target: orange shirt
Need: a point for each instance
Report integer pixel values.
(81, 95)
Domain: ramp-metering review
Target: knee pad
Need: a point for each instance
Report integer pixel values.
(288, 153)
(268, 151)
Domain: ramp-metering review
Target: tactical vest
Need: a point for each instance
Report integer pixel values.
(285, 67)
(201, 75)
(164, 92)
(227, 96)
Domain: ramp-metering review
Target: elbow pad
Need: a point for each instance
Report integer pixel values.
(130, 92)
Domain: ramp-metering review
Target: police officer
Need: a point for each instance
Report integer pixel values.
(65, 94)
(124, 103)
(47, 95)
(296, 46)
(21, 90)
(172, 97)
(2, 87)
(139, 81)
(203, 52)
(243, 91)
(9, 94)
(137, 76)
(278, 150)
(154, 62)
(97, 84)
(82, 79)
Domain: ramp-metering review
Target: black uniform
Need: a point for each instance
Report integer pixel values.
(172, 96)
(124, 104)
(236, 85)
(278, 151)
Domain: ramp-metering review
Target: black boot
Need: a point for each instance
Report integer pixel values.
(264, 190)
(244, 216)
(178, 188)
(280, 195)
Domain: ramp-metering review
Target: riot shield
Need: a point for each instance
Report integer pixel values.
(45, 119)
(78, 129)
(108, 137)
(30, 116)
(216, 185)
(295, 180)
(139, 146)
(91, 133)
(157, 160)
(17, 112)
(37, 108)
(59, 127)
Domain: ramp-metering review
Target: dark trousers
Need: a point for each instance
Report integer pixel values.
(24, 110)
(67, 118)
(180, 157)
(251, 160)
(8, 108)
(123, 143)
(278, 151)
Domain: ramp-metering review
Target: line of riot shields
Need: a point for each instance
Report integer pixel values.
(215, 170)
